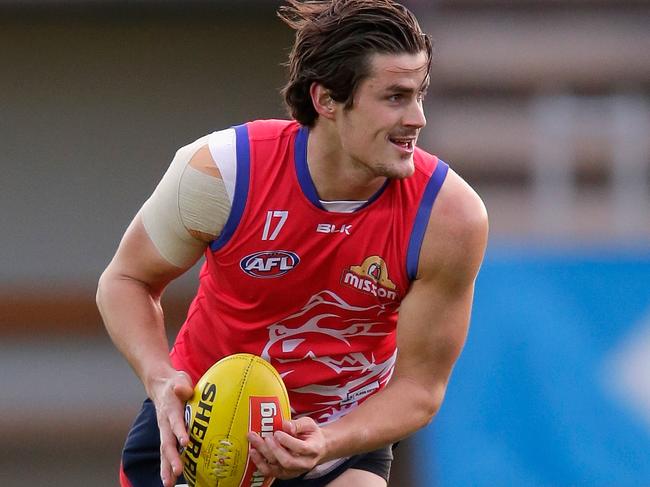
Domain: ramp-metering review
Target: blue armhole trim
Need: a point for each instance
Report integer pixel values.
(302, 169)
(241, 188)
(422, 218)
(304, 177)
(377, 194)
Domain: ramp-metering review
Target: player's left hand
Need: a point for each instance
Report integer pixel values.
(298, 448)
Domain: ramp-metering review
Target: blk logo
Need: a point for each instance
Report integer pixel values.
(327, 228)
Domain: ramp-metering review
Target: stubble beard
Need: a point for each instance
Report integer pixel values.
(401, 170)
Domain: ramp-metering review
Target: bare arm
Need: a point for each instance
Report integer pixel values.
(432, 328)
(128, 297)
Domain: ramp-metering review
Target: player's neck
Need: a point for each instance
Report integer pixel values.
(336, 175)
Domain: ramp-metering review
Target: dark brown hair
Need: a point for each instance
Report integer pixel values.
(334, 42)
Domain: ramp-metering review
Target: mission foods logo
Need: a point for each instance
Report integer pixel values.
(371, 277)
(265, 418)
(270, 263)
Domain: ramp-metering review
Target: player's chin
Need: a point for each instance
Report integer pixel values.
(400, 169)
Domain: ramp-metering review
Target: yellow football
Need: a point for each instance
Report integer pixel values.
(238, 394)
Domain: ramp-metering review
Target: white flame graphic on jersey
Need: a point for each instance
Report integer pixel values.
(328, 321)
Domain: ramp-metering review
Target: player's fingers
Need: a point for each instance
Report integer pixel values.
(260, 462)
(169, 450)
(291, 461)
(284, 468)
(288, 459)
(183, 386)
(295, 445)
(177, 423)
(301, 426)
(289, 427)
(255, 440)
(171, 454)
(166, 474)
(262, 447)
(273, 448)
(305, 424)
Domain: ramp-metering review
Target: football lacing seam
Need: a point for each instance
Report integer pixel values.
(221, 467)
(241, 389)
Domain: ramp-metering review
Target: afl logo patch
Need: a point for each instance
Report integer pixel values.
(269, 263)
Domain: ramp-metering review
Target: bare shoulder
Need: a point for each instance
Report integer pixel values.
(456, 235)
(197, 154)
(459, 208)
(203, 161)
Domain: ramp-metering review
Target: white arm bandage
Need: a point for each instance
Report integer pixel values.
(187, 209)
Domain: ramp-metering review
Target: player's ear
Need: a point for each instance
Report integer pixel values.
(322, 100)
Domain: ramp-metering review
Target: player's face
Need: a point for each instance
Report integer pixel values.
(379, 132)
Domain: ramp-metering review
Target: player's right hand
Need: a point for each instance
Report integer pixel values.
(286, 454)
(169, 397)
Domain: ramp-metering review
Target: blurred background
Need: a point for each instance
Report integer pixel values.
(542, 105)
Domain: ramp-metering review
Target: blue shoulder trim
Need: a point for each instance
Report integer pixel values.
(377, 194)
(302, 169)
(241, 188)
(422, 218)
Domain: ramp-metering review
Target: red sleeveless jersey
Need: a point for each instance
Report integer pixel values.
(315, 293)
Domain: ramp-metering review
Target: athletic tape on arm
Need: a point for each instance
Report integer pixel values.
(186, 200)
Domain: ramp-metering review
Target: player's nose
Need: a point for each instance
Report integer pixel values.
(414, 117)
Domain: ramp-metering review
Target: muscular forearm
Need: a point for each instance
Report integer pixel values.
(389, 416)
(133, 317)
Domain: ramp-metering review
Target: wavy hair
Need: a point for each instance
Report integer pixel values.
(334, 42)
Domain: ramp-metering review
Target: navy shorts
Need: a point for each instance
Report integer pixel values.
(377, 462)
(140, 465)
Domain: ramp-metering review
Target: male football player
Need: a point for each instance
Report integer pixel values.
(334, 248)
